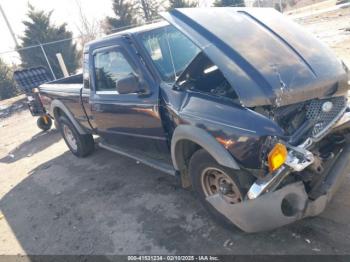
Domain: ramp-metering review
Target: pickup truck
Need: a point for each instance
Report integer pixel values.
(244, 106)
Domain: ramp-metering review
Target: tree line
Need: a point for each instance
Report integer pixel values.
(39, 29)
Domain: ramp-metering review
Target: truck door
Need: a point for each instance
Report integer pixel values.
(125, 116)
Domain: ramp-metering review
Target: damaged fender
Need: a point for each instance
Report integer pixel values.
(203, 139)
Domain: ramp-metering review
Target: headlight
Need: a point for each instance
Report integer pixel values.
(277, 156)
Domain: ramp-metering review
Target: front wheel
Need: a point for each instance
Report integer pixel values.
(80, 145)
(209, 178)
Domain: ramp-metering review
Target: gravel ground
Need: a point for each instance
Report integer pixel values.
(53, 203)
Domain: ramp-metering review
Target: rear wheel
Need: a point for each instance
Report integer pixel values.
(209, 178)
(79, 145)
(44, 123)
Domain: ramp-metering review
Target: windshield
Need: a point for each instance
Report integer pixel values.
(170, 50)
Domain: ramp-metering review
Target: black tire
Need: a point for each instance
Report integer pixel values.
(42, 124)
(84, 145)
(200, 161)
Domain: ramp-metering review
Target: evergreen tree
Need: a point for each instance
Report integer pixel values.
(222, 3)
(125, 16)
(39, 29)
(7, 87)
(181, 4)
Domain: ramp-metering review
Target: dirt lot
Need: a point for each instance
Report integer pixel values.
(333, 28)
(53, 203)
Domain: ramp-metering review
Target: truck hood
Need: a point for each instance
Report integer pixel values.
(268, 59)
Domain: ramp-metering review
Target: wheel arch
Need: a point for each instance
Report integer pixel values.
(187, 139)
(58, 109)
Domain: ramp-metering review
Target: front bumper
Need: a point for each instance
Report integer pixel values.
(286, 205)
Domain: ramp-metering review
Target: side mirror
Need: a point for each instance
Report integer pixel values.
(128, 85)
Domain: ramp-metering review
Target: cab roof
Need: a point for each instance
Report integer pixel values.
(128, 31)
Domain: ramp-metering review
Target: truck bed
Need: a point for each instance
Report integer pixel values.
(66, 91)
(71, 84)
(75, 79)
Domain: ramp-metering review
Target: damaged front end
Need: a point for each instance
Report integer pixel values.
(293, 102)
(317, 152)
(285, 205)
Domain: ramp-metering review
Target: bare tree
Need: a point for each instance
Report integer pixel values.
(182, 4)
(150, 9)
(222, 3)
(89, 29)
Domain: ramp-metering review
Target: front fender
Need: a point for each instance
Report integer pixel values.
(204, 140)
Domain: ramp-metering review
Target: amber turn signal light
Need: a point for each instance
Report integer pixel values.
(277, 156)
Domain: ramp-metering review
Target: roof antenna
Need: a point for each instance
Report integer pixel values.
(171, 54)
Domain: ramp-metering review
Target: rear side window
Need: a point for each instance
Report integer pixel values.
(110, 67)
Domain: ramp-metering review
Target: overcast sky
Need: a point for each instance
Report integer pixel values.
(65, 11)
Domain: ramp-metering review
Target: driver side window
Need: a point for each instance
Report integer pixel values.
(110, 67)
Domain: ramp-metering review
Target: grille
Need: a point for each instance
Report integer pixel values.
(324, 120)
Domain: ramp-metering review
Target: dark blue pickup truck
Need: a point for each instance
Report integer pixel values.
(245, 107)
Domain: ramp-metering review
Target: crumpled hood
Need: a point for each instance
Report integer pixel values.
(268, 59)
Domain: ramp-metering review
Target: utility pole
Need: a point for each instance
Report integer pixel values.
(9, 26)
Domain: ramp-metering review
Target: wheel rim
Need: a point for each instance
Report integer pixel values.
(216, 181)
(70, 137)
